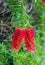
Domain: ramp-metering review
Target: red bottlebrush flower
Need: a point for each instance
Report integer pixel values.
(28, 36)
(17, 39)
(43, 1)
(32, 39)
(29, 40)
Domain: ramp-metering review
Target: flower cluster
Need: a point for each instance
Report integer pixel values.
(29, 37)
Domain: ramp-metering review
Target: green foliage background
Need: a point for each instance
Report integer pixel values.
(21, 19)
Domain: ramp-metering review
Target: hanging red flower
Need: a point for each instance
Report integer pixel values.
(30, 40)
(43, 1)
(17, 39)
(27, 35)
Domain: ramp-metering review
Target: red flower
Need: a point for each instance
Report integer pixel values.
(29, 40)
(43, 1)
(17, 39)
(32, 39)
(28, 35)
